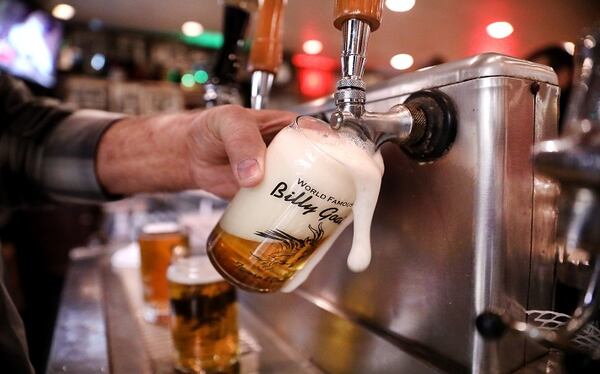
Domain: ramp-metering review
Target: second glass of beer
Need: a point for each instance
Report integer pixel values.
(158, 243)
(203, 318)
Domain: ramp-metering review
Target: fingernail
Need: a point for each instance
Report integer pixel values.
(247, 169)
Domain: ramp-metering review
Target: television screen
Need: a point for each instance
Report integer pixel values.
(29, 42)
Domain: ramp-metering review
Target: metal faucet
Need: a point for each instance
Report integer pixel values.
(425, 125)
(574, 162)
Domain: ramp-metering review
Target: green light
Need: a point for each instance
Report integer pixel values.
(207, 39)
(201, 77)
(187, 80)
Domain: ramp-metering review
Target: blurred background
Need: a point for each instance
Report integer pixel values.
(150, 56)
(98, 54)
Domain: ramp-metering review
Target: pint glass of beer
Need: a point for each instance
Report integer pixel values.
(269, 232)
(158, 243)
(203, 317)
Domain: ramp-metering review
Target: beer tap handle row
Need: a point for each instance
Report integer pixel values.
(267, 51)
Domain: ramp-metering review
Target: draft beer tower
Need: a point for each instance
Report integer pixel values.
(468, 232)
(424, 126)
(267, 51)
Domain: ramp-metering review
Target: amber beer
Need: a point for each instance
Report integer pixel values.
(269, 232)
(203, 317)
(158, 242)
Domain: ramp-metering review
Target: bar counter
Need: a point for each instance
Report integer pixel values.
(99, 328)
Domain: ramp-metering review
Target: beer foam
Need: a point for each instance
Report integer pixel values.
(160, 228)
(366, 170)
(193, 270)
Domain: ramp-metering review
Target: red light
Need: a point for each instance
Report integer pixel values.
(315, 83)
(485, 15)
(320, 62)
(316, 76)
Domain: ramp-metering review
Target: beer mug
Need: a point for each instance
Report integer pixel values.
(158, 242)
(203, 317)
(269, 232)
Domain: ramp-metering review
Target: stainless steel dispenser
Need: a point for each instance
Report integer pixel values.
(470, 231)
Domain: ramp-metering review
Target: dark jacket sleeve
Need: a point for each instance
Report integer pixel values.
(46, 150)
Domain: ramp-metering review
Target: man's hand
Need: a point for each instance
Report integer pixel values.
(217, 150)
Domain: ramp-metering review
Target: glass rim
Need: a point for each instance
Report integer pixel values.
(193, 270)
(370, 148)
(161, 228)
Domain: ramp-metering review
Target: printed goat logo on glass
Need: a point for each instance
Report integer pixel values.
(291, 249)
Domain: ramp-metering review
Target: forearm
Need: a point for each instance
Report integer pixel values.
(146, 154)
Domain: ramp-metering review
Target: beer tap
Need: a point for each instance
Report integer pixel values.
(574, 162)
(267, 51)
(222, 88)
(425, 125)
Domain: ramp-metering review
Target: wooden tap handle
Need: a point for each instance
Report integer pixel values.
(267, 50)
(366, 10)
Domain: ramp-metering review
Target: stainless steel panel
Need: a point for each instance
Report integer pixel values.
(333, 342)
(453, 237)
(545, 193)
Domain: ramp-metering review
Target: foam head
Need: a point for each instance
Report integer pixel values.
(158, 228)
(195, 270)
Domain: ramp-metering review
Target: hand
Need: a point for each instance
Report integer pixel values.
(227, 147)
(218, 150)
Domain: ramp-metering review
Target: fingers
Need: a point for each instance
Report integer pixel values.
(241, 132)
(245, 148)
(271, 121)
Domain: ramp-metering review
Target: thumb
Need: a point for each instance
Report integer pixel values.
(244, 146)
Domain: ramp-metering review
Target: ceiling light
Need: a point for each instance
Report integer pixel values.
(402, 61)
(400, 5)
(63, 11)
(312, 47)
(499, 30)
(191, 28)
(569, 47)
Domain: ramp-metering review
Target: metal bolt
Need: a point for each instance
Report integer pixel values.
(336, 120)
(534, 88)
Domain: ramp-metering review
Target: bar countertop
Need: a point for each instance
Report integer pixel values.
(99, 328)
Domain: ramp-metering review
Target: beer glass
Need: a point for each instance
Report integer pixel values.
(158, 242)
(203, 317)
(269, 232)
